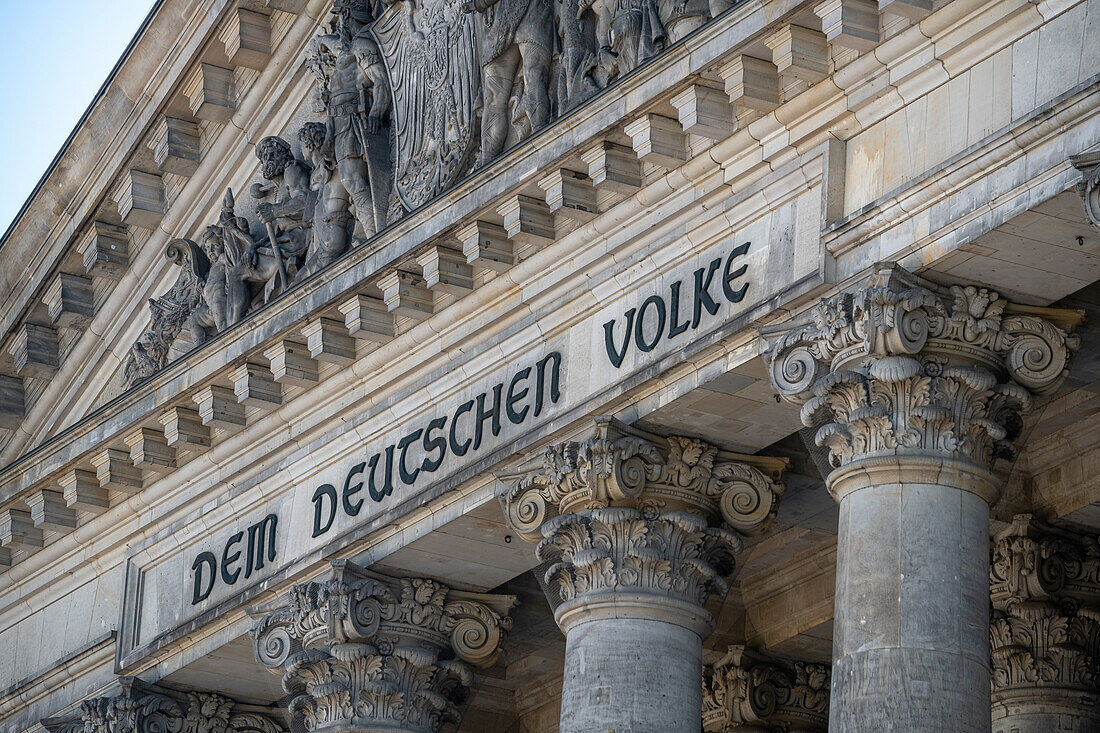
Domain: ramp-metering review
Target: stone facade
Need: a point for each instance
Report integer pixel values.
(540, 365)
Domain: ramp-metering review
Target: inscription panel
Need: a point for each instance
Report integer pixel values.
(631, 322)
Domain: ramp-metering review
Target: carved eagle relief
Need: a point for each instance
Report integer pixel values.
(430, 55)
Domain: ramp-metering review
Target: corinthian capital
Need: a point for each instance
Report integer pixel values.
(621, 466)
(365, 648)
(907, 366)
(748, 691)
(142, 708)
(1045, 630)
(629, 512)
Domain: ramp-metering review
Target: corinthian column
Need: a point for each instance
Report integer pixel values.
(638, 531)
(363, 652)
(915, 390)
(1045, 631)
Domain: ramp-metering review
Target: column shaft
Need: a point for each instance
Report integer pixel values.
(915, 389)
(631, 674)
(910, 639)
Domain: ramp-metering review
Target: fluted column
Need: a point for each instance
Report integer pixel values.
(748, 692)
(915, 390)
(142, 708)
(363, 652)
(1045, 630)
(637, 532)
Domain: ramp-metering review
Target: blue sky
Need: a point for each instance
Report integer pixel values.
(54, 58)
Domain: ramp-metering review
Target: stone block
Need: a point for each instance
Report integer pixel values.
(209, 92)
(184, 430)
(327, 340)
(218, 408)
(49, 510)
(407, 294)
(705, 111)
(34, 351)
(247, 38)
(446, 270)
(850, 23)
(751, 83)
(527, 221)
(613, 167)
(176, 146)
(82, 492)
(368, 319)
(17, 529)
(570, 194)
(12, 405)
(914, 10)
(140, 199)
(69, 300)
(105, 250)
(487, 245)
(116, 471)
(799, 53)
(292, 364)
(658, 140)
(255, 387)
(149, 450)
(295, 7)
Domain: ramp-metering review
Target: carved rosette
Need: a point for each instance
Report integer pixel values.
(366, 649)
(746, 691)
(1045, 627)
(141, 708)
(629, 512)
(905, 367)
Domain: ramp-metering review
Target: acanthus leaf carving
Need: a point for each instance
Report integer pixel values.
(626, 511)
(747, 690)
(143, 708)
(906, 366)
(1045, 625)
(365, 646)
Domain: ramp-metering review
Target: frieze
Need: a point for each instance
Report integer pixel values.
(409, 97)
(322, 493)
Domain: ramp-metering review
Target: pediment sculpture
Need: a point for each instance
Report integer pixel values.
(410, 97)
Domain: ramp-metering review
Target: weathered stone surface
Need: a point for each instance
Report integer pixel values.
(105, 250)
(255, 386)
(34, 350)
(140, 199)
(1044, 633)
(915, 389)
(365, 649)
(69, 300)
(139, 706)
(637, 533)
(12, 402)
(748, 691)
(176, 146)
(209, 92)
(247, 38)
(49, 510)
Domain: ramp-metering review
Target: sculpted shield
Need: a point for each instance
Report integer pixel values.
(429, 49)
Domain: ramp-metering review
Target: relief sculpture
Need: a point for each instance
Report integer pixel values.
(409, 97)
